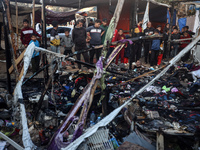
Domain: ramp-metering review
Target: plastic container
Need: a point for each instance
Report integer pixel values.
(92, 117)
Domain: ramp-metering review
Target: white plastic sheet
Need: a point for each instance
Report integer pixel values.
(27, 142)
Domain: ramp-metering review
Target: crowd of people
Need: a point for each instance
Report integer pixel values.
(83, 38)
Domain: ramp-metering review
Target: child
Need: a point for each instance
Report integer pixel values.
(36, 55)
(138, 65)
(175, 46)
(26, 33)
(67, 43)
(120, 36)
(155, 49)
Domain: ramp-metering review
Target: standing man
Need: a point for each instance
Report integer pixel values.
(105, 27)
(137, 48)
(79, 36)
(91, 23)
(54, 38)
(147, 43)
(26, 33)
(95, 33)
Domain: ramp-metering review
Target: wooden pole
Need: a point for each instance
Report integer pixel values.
(170, 32)
(17, 28)
(12, 41)
(33, 15)
(116, 16)
(44, 42)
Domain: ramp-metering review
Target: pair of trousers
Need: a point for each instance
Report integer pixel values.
(174, 51)
(85, 55)
(35, 61)
(68, 51)
(93, 52)
(147, 48)
(137, 48)
(121, 53)
(154, 57)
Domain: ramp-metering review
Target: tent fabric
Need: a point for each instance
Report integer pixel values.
(182, 23)
(61, 17)
(190, 22)
(106, 11)
(24, 13)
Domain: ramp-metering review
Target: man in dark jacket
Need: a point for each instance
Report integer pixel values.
(155, 49)
(95, 32)
(147, 44)
(79, 36)
(175, 46)
(189, 31)
(137, 48)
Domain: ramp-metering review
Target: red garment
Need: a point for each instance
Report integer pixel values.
(26, 35)
(183, 45)
(159, 59)
(114, 37)
(125, 60)
(121, 53)
(140, 28)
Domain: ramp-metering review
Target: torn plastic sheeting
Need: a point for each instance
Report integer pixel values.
(27, 142)
(50, 52)
(114, 113)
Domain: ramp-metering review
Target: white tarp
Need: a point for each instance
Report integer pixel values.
(146, 17)
(196, 21)
(27, 142)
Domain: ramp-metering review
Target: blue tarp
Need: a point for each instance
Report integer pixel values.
(169, 17)
(182, 23)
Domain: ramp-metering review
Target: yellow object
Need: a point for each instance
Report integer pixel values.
(138, 31)
(55, 42)
(162, 46)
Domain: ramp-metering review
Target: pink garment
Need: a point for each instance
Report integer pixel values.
(174, 90)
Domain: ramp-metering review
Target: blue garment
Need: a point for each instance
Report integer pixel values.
(155, 44)
(36, 44)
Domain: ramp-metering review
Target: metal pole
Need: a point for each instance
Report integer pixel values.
(7, 52)
(170, 32)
